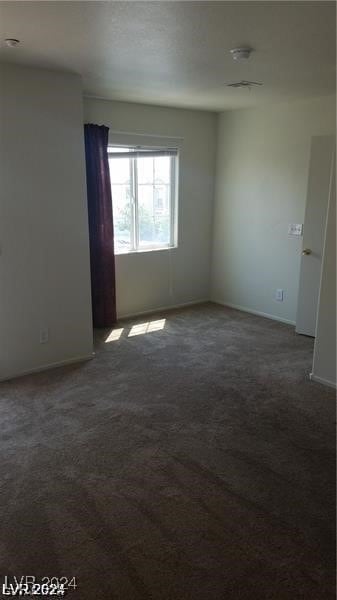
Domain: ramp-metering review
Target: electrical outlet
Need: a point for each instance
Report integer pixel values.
(279, 295)
(44, 335)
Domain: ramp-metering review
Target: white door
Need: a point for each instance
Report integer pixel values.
(320, 171)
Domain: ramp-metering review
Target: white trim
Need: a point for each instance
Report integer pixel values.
(255, 312)
(173, 201)
(129, 138)
(62, 363)
(146, 250)
(145, 134)
(141, 152)
(327, 382)
(153, 311)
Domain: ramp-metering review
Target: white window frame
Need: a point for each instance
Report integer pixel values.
(134, 232)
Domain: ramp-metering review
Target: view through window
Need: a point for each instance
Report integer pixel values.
(143, 186)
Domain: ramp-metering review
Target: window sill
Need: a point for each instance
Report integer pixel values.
(146, 251)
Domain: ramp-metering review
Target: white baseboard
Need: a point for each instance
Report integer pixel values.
(154, 311)
(322, 381)
(62, 363)
(255, 312)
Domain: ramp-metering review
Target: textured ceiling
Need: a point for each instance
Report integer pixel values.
(177, 53)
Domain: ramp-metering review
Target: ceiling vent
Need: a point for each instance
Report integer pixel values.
(244, 84)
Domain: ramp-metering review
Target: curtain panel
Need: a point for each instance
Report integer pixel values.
(102, 259)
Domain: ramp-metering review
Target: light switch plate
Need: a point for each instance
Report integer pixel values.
(295, 229)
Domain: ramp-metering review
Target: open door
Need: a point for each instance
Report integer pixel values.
(320, 171)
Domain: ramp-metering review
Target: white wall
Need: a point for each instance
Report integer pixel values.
(150, 280)
(262, 173)
(262, 169)
(44, 260)
(324, 367)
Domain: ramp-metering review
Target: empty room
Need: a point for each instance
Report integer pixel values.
(168, 299)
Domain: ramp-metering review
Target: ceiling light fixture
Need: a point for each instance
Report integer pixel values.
(12, 42)
(241, 54)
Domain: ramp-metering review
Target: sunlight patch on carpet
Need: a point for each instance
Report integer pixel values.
(148, 327)
(114, 335)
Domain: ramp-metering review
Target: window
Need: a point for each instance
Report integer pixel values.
(143, 187)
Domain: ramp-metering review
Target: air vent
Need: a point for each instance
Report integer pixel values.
(243, 84)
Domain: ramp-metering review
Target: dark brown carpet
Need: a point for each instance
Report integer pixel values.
(193, 460)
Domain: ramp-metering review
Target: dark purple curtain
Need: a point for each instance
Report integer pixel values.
(102, 259)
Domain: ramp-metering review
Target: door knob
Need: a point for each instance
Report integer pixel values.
(306, 251)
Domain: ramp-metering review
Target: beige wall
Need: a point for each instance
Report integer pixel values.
(324, 367)
(151, 280)
(262, 173)
(262, 170)
(44, 259)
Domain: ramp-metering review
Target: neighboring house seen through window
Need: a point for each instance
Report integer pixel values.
(143, 186)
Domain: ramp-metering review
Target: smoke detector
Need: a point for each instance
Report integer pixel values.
(241, 54)
(12, 42)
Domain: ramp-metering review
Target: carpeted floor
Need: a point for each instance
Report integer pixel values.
(190, 460)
